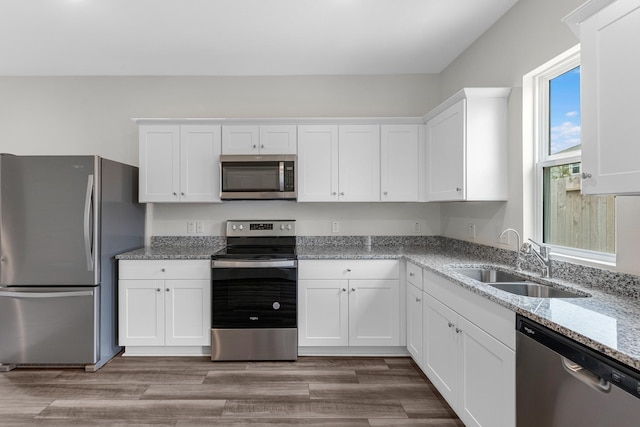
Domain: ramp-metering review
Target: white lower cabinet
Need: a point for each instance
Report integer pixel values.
(164, 305)
(414, 323)
(469, 353)
(348, 303)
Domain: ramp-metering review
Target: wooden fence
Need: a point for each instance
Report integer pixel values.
(577, 221)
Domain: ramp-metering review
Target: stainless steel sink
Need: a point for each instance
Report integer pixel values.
(486, 275)
(515, 284)
(536, 290)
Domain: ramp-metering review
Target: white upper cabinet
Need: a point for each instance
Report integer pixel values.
(610, 66)
(339, 163)
(266, 139)
(318, 163)
(399, 163)
(359, 163)
(467, 146)
(179, 163)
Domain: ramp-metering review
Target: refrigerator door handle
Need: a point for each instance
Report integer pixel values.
(46, 294)
(87, 223)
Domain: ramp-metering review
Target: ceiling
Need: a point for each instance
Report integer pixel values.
(238, 37)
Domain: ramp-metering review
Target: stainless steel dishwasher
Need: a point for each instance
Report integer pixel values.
(560, 382)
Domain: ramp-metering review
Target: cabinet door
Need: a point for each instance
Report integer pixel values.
(487, 379)
(374, 312)
(399, 163)
(317, 163)
(200, 163)
(440, 348)
(359, 163)
(610, 93)
(141, 312)
(188, 312)
(159, 163)
(446, 154)
(240, 140)
(278, 139)
(414, 323)
(323, 313)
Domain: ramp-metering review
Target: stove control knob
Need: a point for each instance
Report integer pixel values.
(233, 227)
(240, 227)
(281, 226)
(289, 227)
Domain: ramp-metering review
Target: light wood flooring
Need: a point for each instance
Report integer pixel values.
(187, 391)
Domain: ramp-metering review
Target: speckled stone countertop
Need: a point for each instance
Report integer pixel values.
(168, 247)
(608, 321)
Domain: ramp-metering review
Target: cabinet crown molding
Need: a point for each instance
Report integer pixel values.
(585, 11)
(466, 93)
(279, 121)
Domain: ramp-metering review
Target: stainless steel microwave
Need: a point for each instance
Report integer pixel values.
(249, 177)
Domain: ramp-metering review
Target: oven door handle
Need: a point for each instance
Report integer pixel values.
(253, 264)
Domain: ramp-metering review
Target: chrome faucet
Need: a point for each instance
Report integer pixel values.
(519, 256)
(541, 255)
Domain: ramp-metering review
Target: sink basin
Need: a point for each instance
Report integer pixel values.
(486, 275)
(515, 284)
(535, 290)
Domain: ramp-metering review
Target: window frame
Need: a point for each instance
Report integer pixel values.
(539, 83)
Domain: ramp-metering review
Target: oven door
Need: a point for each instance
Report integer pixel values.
(254, 294)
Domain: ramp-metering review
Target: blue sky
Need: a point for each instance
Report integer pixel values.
(564, 100)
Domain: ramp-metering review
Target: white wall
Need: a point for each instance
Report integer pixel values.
(92, 115)
(527, 36)
(313, 219)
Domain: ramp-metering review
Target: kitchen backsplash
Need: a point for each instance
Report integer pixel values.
(627, 285)
(168, 241)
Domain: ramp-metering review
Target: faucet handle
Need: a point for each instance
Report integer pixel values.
(525, 248)
(544, 249)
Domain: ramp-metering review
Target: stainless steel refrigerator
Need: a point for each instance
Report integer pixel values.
(62, 220)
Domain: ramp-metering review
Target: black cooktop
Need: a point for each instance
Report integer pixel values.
(258, 248)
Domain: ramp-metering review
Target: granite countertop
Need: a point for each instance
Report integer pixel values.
(606, 321)
(171, 252)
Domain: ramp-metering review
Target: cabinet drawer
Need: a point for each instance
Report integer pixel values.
(414, 275)
(165, 269)
(348, 269)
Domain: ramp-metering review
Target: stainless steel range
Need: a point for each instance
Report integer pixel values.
(254, 293)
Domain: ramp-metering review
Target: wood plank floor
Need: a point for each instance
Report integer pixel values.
(187, 391)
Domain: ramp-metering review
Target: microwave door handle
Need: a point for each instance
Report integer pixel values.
(281, 167)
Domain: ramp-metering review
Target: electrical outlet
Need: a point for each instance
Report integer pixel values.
(335, 226)
(191, 227)
(198, 226)
(471, 230)
(503, 239)
(417, 228)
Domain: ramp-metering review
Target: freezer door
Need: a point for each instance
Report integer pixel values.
(49, 221)
(49, 325)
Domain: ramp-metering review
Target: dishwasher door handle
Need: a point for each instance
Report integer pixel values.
(589, 378)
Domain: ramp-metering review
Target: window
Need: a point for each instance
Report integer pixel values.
(573, 224)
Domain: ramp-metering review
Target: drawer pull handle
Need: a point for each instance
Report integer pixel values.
(167, 289)
(353, 289)
(458, 330)
(411, 274)
(344, 289)
(158, 289)
(418, 300)
(451, 325)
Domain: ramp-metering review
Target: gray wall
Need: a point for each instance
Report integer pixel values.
(92, 115)
(528, 35)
